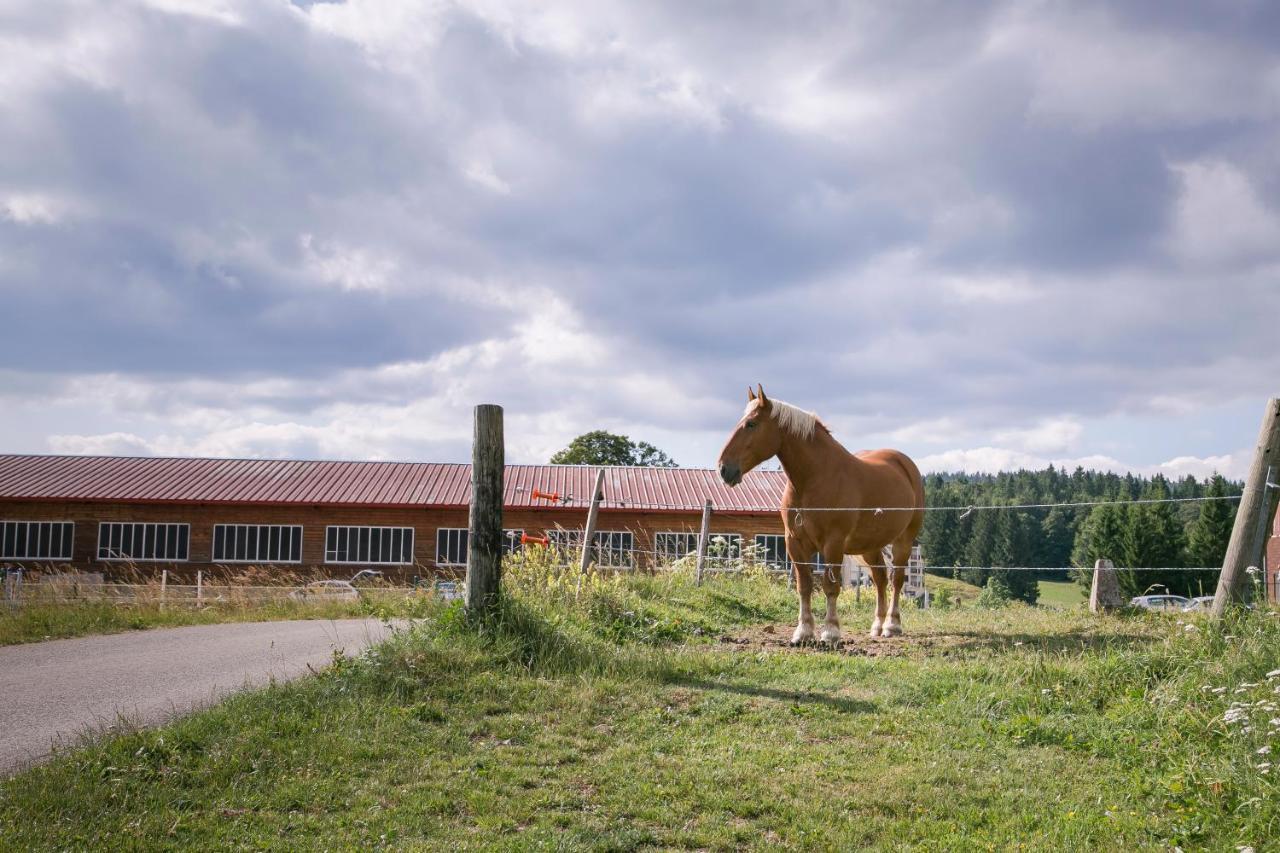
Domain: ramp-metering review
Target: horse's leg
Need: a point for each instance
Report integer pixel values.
(901, 553)
(804, 589)
(875, 562)
(831, 587)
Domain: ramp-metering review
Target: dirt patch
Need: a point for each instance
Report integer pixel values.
(778, 637)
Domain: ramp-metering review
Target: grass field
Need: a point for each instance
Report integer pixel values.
(38, 622)
(650, 713)
(1062, 594)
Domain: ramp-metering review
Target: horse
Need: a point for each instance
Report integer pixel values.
(836, 503)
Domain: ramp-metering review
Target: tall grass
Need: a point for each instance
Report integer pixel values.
(604, 714)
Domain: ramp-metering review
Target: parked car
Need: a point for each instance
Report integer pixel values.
(1160, 602)
(328, 590)
(366, 577)
(1200, 602)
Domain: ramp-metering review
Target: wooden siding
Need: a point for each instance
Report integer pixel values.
(314, 519)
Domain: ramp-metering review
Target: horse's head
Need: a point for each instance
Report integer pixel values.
(756, 438)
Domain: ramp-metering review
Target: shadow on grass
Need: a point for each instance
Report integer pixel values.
(1069, 641)
(792, 697)
(740, 611)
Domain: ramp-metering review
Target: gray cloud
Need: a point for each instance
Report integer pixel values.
(613, 215)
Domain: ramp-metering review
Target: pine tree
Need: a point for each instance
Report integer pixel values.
(1155, 538)
(1057, 535)
(978, 550)
(1211, 531)
(1101, 537)
(1209, 536)
(1009, 544)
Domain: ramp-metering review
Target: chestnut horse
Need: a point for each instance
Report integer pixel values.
(836, 503)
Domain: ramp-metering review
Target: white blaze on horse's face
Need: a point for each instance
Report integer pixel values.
(755, 439)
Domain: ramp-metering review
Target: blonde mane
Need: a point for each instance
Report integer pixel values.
(792, 419)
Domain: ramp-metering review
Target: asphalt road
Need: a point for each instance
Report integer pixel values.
(55, 691)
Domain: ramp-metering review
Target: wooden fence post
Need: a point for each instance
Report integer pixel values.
(164, 584)
(484, 537)
(589, 535)
(702, 541)
(199, 588)
(1248, 535)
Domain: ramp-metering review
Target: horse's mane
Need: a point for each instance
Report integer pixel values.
(793, 419)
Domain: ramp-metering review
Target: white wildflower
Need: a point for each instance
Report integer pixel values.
(1234, 715)
(1218, 691)
(1189, 628)
(1263, 750)
(1275, 673)
(1253, 570)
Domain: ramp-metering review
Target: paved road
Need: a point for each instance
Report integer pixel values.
(51, 692)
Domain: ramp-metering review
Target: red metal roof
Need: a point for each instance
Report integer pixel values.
(126, 479)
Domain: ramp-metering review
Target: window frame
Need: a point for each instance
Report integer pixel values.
(510, 543)
(25, 526)
(665, 555)
(716, 559)
(297, 530)
(347, 528)
(773, 565)
(572, 540)
(182, 526)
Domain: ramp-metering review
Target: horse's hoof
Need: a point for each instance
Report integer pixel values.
(831, 636)
(875, 630)
(891, 631)
(802, 637)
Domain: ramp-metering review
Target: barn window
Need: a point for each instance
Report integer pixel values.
(350, 544)
(451, 546)
(613, 548)
(673, 546)
(723, 548)
(36, 540)
(257, 543)
(149, 541)
(452, 542)
(771, 549)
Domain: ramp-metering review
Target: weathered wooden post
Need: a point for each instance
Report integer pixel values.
(1248, 534)
(484, 536)
(1105, 593)
(199, 589)
(702, 541)
(164, 585)
(589, 535)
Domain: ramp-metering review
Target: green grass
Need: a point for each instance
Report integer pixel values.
(622, 718)
(1062, 594)
(957, 590)
(37, 622)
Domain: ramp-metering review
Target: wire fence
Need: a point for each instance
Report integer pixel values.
(71, 588)
(961, 508)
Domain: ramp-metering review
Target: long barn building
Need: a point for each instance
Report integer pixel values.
(115, 514)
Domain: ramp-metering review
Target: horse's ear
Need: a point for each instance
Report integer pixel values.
(764, 401)
(751, 395)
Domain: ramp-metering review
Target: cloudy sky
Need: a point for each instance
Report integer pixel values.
(991, 234)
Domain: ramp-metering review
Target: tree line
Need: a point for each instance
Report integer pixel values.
(1064, 541)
